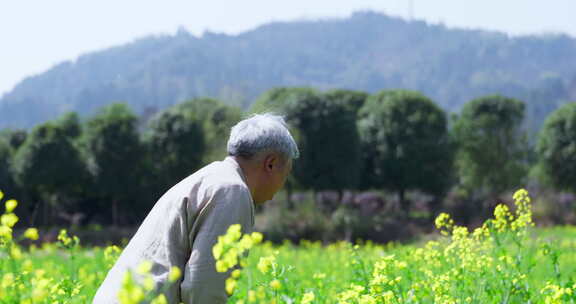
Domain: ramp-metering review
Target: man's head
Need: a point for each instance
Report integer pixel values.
(264, 148)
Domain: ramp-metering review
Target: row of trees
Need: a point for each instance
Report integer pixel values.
(112, 167)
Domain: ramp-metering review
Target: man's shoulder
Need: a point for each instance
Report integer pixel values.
(218, 185)
(221, 175)
(217, 177)
(213, 173)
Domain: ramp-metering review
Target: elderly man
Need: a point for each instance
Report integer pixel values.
(184, 224)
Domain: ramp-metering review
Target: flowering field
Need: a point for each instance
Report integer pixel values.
(504, 261)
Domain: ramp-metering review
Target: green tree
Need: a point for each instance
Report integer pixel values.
(216, 119)
(7, 183)
(50, 168)
(353, 100)
(324, 126)
(277, 99)
(405, 144)
(176, 145)
(15, 138)
(557, 148)
(492, 145)
(329, 142)
(115, 159)
(70, 124)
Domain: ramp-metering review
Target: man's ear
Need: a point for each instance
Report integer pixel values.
(270, 161)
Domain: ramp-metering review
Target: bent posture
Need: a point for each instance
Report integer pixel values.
(185, 222)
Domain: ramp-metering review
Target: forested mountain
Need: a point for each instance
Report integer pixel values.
(368, 51)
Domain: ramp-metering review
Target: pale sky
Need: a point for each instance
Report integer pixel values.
(37, 34)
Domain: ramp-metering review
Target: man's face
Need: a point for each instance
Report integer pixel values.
(278, 175)
(285, 170)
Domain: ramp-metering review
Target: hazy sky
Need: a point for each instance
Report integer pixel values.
(35, 35)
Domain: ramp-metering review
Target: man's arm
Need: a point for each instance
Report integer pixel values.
(227, 205)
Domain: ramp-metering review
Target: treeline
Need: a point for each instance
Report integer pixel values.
(113, 166)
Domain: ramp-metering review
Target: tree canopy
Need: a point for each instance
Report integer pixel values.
(49, 167)
(557, 148)
(405, 143)
(492, 145)
(176, 146)
(115, 156)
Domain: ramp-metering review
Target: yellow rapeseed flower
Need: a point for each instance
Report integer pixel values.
(5, 232)
(261, 293)
(388, 297)
(443, 220)
(111, 254)
(15, 252)
(31, 233)
(379, 279)
(275, 284)
(7, 280)
(130, 293)
(366, 299)
(307, 298)
(221, 266)
(174, 274)
(41, 289)
(9, 219)
(257, 237)
(64, 238)
(27, 265)
(230, 285)
(246, 242)
(148, 283)
(319, 276)
(502, 217)
(161, 299)
(235, 274)
(233, 234)
(251, 296)
(217, 250)
(230, 258)
(265, 263)
(10, 205)
(144, 267)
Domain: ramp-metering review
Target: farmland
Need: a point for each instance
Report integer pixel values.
(503, 261)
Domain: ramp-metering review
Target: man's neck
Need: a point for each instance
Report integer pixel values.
(250, 173)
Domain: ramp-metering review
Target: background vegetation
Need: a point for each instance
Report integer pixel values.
(377, 162)
(377, 166)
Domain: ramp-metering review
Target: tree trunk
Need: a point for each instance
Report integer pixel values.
(315, 196)
(404, 204)
(44, 213)
(289, 202)
(348, 234)
(340, 195)
(434, 207)
(34, 214)
(115, 212)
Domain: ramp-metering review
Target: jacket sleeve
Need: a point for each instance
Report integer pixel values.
(226, 205)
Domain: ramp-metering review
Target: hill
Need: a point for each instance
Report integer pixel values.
(368, 51)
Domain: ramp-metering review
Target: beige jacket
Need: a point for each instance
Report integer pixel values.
(181, 230)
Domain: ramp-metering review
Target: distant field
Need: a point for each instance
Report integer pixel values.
(506, 261)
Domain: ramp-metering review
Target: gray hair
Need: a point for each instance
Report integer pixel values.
(260, 133)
